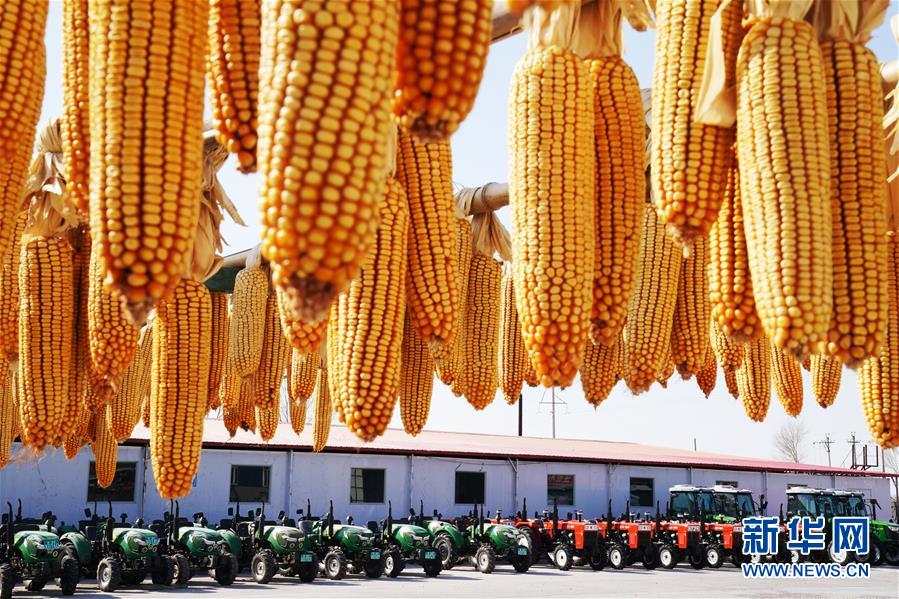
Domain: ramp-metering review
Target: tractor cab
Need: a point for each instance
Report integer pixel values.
(689, 502)
(806, 501)
(731, 504)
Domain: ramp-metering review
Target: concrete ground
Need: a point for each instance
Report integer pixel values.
(541, 581)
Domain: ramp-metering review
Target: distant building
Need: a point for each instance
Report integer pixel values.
(448, 471)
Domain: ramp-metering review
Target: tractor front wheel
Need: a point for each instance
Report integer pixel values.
(562, 558)
(40, 579)
(533, 544)
(617, 558)
(890, 553)
(485, 559)
(667, 557)
(393, 563)
(164, 573)
(181, 572)
(109, 574)
(521, 563)
(227, 569)
(714, 556)
(335, 565)
(837, 557)
(308, 572)
(446, 550)
(877, 553)
(598, 557)
(650, 559)
(432, 567)
(697, 561)
(69, 575)
(263, 566)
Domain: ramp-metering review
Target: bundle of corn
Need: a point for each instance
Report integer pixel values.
(602, 368)
(303, 336)
(267, 420)
(298, 415)
(75, 122)
(707, 376)
(692, 312)
(730, 284)
(449, 357)
(248, 302)
(551, 187)
(416, 379)
(178, 389)
(301, 375)
(221, 332)
(233, 76)
(105, 450)
(784, 163)
(647, 334)
(441, 56)
(512, 359)
(9, 293)
(619, 139)
(8, 415)
(754, 378)
(687, 154)
(22, 73)
(146, 66)
(325, 82)
(125, 407)
(787, 378)
(857, 169)
(826, 375)
(275, 356)
(322, 424)
(425, 172)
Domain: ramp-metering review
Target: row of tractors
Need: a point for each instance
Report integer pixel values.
(702, 526)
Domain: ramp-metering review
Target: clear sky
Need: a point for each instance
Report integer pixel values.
(672, 417)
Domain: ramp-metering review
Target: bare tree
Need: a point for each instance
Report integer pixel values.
(790, 440)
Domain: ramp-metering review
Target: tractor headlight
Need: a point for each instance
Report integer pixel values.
(894, 528)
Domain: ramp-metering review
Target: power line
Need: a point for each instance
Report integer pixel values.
(827, 442)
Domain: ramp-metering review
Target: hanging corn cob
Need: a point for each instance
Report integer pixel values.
(619, 141)
(826, 374)
(601, 370)
(369, 322)
(441, 56)
(551, 187)
(530, 376)
(81, 382)
(303, 336)
(267, 420)
(787, 378)
(248, 318)
(665, 372)
(754, 378)
(324, 110)
(784, 166)
(301, 375)
(105, 451)
(246, 409)
(449, 357)
(275, 356)
(298, 415)
(647, 334)
(416, 380)
(689, 163)
(233, 76)
(229, 388)
(78, 364)
(730, 285)
(322, 423)
(512, 359)
(178, 388)
(726, 352)
(730, 379)
(221, 332)
(78, 436)
(692, 312)
(8, 413)
(146, 152)
(425, 172)
(75, 122)
(707, 376)
(857, 194)
(125, 407)
(9, 293)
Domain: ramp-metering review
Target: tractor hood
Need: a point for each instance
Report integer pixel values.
(410, 535)
(502, 535)
(354, 538)
(200, 540)
(37, 545)
(136, 541)
(285, 538)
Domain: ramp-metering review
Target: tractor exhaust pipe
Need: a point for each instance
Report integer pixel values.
(555, 516)
(389, 530)
(523, 515)
(331, 518)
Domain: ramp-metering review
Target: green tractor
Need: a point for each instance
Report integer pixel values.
(195, 547)
(405, 542)
(487, 542)
(269, 548)
(30, 552)
(344, 548)
(884, 541)
(116, 552)
(447, 539)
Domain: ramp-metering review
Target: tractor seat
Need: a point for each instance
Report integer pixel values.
(306, 526)
(243, 529)
(225, 523)
(373, 526)
(290, 522)
(158, 527)
(90, 532)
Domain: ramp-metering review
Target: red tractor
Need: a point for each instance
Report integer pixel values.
(578, 541)
(630, 540)
(680, 538)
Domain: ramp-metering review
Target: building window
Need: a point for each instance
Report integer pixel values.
(642, 492)
(560, 487)
(727, 483)
(367, 485)
(121, 489)
(250, 483)
(469, 488)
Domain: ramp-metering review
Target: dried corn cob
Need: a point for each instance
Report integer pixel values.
(124, 409)
(324, 111)
(46, 307)
(370, 323)
(233, 76)
(229, 388)
(221, 332)
(416, 380)
(267, 421)
(8, 414)
(480, 377)
(75, 122)
(425, 172)
(688, 158)
(146, 66)
(754, 378)
(78, 436)
(692, 312)
(730, 379)
(181, 347)
(80, 381)
(647, 334)
(105, 451)
(298, 415)
(247, 320)
(784, 186)
(707, 376)
(727, 353)
(322, 423)
(303, 336)
(275, 356)
(602, 369)
(441, 56)
(9, 293)
(449, 357)
(301, 375)
(512, 359)
(666, 371)
(826, 374)
(787, 378)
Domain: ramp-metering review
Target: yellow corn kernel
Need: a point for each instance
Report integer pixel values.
(602, 368)
(787, 378)
(221, 333)
(75, 121)
(730, 379)
(692, 312)
(512, 359)
(826, 374)
(303, 336)
(707, 376)
(105, 451)
(416, 380)
(248, 320)
(298, 415)
(78, 436)
(13, 173)
(449, 357)
(322, 423)
(754, 378)
(8, 414)
(275, 356)
(124, 409)
(301, 375)
(267, 420)
(480, 376)
(666, 370)
(9, 293)
(726, 351)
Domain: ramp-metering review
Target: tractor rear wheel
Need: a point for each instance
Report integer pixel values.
(335, 565)
(877, 553)
(40, 579)
(69, 575)
(446, 550)
(667, 557)
(133, 577)
(485, 559)
(182, 570)
(890, 553)
(227, 569)
(562, 558)
(598, 557)
(164, 573)
(7, 580)
(109, 574)
(617, 558)
(263, 566)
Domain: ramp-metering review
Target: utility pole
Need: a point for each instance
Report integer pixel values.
(520, 413)
(554, 411)
(827, 442)
(852, 441)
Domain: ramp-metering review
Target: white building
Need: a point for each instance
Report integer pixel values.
(448, 471)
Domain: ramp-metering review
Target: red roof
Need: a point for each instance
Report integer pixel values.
(472, 445)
